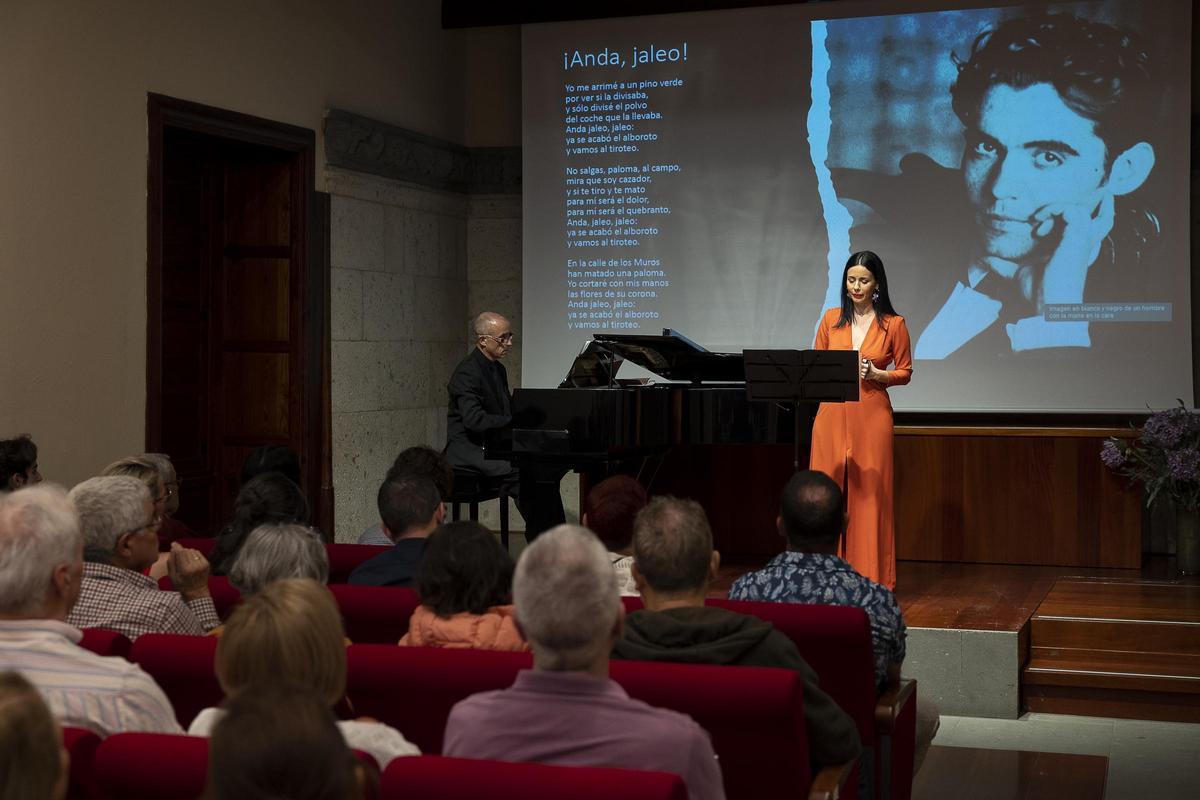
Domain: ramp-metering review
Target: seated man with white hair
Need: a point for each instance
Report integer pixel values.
(41, 565)
(120, 539)
(566, 710)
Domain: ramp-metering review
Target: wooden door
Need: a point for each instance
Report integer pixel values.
(238, 315)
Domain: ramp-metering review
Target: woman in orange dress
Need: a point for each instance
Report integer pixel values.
(852, 442)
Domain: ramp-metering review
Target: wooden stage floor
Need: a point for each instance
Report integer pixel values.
(984, 597)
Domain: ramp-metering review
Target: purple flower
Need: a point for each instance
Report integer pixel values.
(1184, 465)
(1112, 455)
(1166, 429)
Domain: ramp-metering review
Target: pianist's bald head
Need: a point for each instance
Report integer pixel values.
(489, 323)
(493, 335)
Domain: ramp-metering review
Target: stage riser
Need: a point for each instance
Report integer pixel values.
(1116, 648)
(1137, 636)
(1112, 703)
(1125, 671)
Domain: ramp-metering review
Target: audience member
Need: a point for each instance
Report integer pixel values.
(34, 765)
(272, 458)
(464, 584)
(18, 463)
(148, 473)
(172, 529)
(291, 633)
(568, 710)
(276, 551)
(811, 520)
(282, 742)
(674, 563)
(410, 508)
(120, 540)
(421, 461)
(269, 497)
(612, 505)
(41, 566)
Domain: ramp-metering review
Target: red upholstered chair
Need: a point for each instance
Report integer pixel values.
(158, 766)
(183, 667)
(836, 642)
(343, 558)
(413, 688)
(81, 745)
(755, 716)
(470, 779)
(104, 642)
(152, 766)
(224, 595)
(374, 614)
(204, 544)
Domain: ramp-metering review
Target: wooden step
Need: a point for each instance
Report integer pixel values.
(1116, 648)
(1150, 672)
(1126, 616)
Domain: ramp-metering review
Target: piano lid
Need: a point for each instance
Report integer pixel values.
(674, 357)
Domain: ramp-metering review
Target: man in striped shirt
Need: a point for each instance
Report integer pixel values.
(41, 568)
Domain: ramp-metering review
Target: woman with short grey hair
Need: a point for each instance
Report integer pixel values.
(279, 550)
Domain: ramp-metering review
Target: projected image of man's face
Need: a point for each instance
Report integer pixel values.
(1030, 161)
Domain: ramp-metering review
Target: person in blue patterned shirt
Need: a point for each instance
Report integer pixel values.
(812, 521)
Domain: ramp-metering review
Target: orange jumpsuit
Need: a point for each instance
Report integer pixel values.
(852, 443)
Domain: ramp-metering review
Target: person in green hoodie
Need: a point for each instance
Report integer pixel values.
(673, 564)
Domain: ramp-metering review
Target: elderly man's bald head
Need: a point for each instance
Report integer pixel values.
(489, 323)
(493, 335)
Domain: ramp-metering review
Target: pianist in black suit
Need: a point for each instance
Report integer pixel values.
(480, 401)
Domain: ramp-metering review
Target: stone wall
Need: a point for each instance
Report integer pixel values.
(399, 325)
(424, 236)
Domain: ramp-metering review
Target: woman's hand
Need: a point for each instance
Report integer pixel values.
(867, 371)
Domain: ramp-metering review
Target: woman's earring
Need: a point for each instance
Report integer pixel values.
(874, 295)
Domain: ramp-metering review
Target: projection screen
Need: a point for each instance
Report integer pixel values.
(1022, 172)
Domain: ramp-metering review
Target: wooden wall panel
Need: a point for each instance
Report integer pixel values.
(1019, 497)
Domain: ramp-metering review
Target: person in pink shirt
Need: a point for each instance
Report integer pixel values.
(566, 710)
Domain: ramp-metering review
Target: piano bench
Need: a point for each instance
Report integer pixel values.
(472, 488)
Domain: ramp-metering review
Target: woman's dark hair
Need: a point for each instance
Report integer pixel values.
(271, 458)
(612, 505)
(280, 741)
(464, 568)
(882, 303)
(270, 497)
(17, 455)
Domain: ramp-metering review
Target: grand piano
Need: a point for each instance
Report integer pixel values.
(676, 435)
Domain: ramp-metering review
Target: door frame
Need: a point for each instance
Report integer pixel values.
(165, 113)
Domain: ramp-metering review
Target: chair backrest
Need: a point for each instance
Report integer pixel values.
(158, 766)
(81, 744)
(224, 595)
(204, 544)
(470, 779)
(152, 766)
(836, 642)
(374, 614)
(343, 558)
(754, 715)
(413, 688)
(183, 667)
(104, 642)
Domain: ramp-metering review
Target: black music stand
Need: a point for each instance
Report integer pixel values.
(801, 377)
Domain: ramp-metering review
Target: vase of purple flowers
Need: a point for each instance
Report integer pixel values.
(1165, 458)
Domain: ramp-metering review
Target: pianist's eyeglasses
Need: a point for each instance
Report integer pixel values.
(504, 338)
